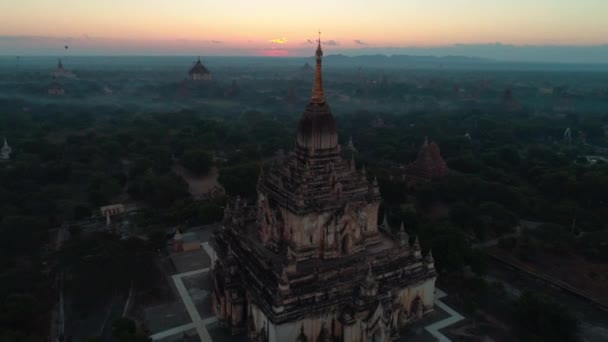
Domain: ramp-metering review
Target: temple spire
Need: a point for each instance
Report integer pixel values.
(317, 91)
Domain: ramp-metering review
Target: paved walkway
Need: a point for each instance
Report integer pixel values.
(197, 323)
(455, 317)
(172, 331)
(194, 315)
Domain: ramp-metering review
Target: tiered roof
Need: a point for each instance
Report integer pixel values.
(315, 177)
(199, 68)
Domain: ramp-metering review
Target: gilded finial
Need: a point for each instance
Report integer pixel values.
(318, 96)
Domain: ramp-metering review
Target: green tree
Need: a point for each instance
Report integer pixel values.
(538, 318)
(122, 327)
(240, 180)
(197, 161)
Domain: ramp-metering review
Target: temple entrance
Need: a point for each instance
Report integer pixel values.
(347, 244)
(417, 308)
(378, 336)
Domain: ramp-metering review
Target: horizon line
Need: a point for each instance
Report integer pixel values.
(203, 57)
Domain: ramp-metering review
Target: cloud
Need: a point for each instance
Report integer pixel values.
(331, 43)
(216, 42)
(359, 42)
(309, 41)
(278, 40)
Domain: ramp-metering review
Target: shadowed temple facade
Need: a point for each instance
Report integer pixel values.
(428, 166)
(199, 72)
(308, 261)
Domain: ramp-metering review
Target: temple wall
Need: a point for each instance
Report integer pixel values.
(425, 289)
(201, 77)
(312, 327)
(304, 227)
(305, 230)
(290, 331)
(372, 216)
(318, 141)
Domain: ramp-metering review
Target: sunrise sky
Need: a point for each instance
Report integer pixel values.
(247, 27)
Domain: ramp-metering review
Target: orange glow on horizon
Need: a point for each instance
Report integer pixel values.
(274, 53)
(260, 25)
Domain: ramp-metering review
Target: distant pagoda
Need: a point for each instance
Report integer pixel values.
(429, 165)
(509, 102)
(5, 152)
(306, 68)
(60, 71)
(55, 88)
(199, 72)
(308, 261)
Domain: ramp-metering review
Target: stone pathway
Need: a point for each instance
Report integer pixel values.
(197, 323)
(172, 331)
(455, 317)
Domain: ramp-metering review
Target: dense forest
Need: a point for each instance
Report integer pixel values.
(507, 164)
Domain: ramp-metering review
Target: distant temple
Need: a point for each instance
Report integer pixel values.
(55, 88)
(60, 71)
(199, 72)
(306, 68)
(233, 89)
(6, 151)
(428, 165)
(308, 261)
(291, 98)
(350, 146)
(509, 102)
(111, 210)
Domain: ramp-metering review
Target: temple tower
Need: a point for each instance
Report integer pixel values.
(316, 204)
(199, 72)
(60, 71)
(6, 151)
(306, 261)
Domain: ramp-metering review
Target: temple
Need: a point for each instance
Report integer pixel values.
(55, 88)
(306, 68)
(60, 71)
(429, 165)
(6, 151)
(509, 101)
(308, 261)
(199, 72)
(233, 89)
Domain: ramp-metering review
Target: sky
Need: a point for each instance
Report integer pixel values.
(289, 28)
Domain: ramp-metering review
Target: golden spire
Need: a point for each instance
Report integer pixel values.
(317, 91)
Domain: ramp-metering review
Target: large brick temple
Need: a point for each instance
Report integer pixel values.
(308, 261)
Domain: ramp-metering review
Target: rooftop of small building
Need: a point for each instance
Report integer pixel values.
(190, 237)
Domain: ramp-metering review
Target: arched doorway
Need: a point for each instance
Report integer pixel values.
(347, 244)
(417, 308)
